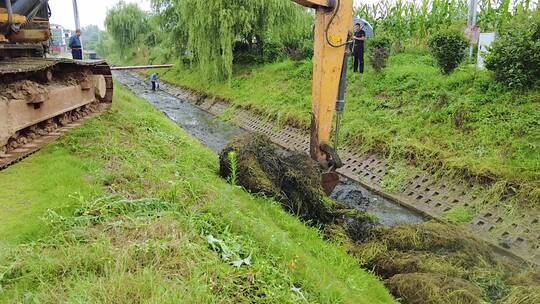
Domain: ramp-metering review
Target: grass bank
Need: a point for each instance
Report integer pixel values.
(463, 124)
(140, 215)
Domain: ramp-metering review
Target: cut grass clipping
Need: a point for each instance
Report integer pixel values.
(150, 221)
(291, 178)
(422, 263)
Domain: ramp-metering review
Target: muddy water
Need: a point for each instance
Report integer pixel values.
(215, 134)
(389, 213)
(212, 132)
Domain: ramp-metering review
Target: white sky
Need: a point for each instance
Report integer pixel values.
(90, 11)
(95, 11)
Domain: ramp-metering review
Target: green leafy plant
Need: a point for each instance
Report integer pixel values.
(233, 178)
(380, 52)
(396, 178)
(515, 55)
(273, 51)
(460, 215)
(448, 47)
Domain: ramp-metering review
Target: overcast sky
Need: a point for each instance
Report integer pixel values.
(94, 11)
(90, 11)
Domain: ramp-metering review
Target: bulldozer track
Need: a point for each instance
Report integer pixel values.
(59, 117)
(14, 156)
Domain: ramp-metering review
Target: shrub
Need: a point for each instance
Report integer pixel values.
(299, 50)
(380, 51)
(272, 51)
(380, 42)
(307, 49)
(448, 47)
(515, 55)
(248, 53)
(245, 53)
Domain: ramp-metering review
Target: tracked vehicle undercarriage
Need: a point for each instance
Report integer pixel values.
(38, 96)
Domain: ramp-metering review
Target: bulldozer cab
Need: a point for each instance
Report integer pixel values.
(24, 28)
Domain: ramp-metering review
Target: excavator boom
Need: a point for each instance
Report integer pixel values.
(333, 22)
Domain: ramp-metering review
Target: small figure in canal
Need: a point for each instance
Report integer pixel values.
(358, 48)
(76, 46)
(153, 80)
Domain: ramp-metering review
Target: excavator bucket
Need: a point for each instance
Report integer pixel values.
(329, 182)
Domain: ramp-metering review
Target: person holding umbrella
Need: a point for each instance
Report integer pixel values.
(359, 38)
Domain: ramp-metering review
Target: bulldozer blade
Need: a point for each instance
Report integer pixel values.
(329, 182)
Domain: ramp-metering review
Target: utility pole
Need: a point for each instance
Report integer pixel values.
(471, 22)
(77, 21)
(76, 15)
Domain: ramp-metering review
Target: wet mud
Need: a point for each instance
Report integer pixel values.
(216, 134)
(21, 90)
(389, 214)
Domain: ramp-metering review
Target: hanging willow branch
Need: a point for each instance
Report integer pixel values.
(213, 26)
(126, 22)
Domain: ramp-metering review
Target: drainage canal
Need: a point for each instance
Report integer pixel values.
(215, 134)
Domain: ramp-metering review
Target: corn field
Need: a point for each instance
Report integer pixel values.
(405, 19)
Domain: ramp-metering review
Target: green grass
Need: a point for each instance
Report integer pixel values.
(52, 179)
(135, 201)
(464, 124)
(460, 215)
(397, 176)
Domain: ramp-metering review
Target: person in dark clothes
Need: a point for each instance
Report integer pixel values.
(153, 80)
(358, 48)
(75, 45)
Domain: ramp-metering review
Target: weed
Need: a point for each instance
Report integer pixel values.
(396, 178)
(460, 215)
(227, 114)
(231, 157)
(493, 285)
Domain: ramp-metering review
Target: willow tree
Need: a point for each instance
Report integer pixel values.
(126, 23)
(213, 26)
(173, 37)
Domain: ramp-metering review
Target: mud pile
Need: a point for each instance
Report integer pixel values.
(21, 90)
(430, 262)
(293, 179)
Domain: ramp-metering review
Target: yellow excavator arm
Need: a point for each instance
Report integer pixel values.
(333, 21)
